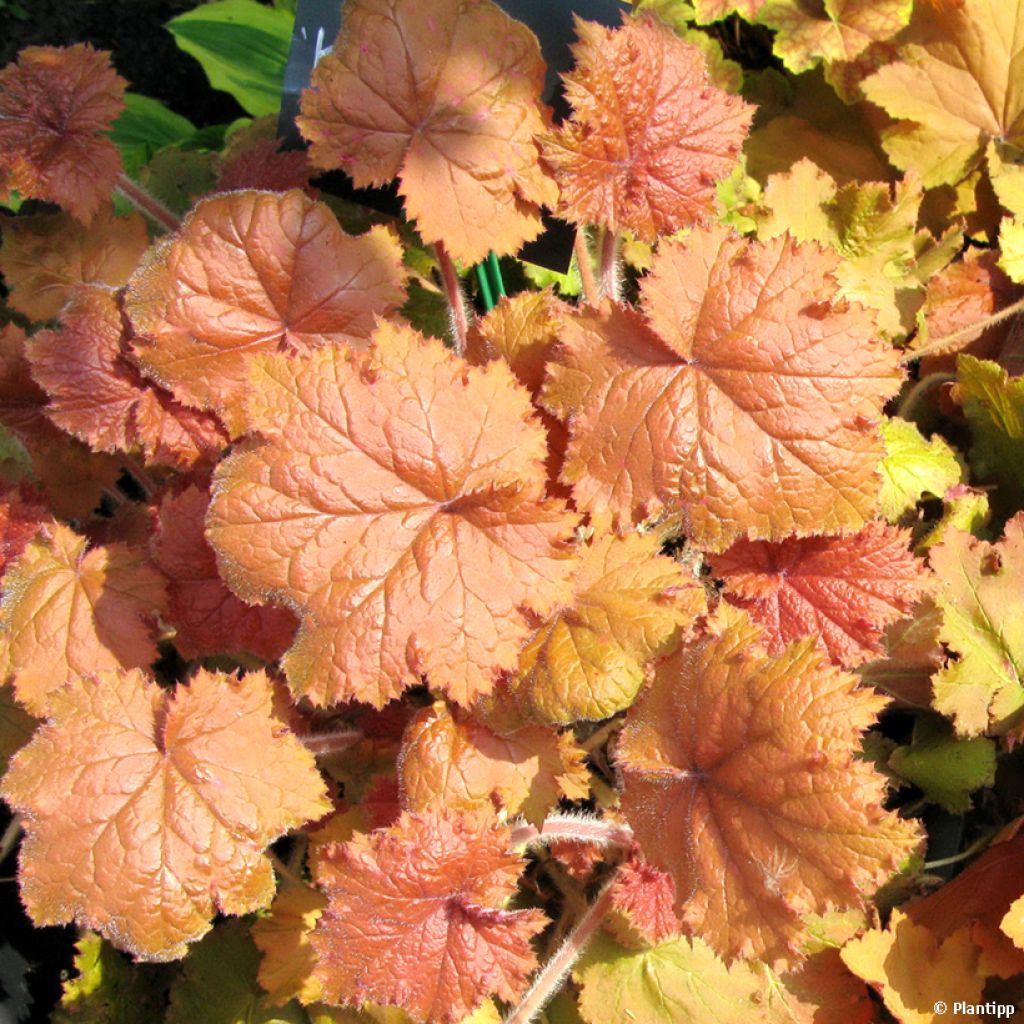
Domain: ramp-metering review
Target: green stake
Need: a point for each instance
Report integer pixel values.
(496, 279)
(485, 287)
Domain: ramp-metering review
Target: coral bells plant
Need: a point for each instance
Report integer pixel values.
(611, 650)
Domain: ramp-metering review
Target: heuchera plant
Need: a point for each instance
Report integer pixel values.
(463, 663)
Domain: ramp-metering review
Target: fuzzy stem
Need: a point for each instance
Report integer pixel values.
(142, 478)
(550, 977)
(574, 828)
(971, 850)
(10, 837)
(965, 334)
(320, 744)
(610, 265)
(915, 397)
(582, 253)
(286, 873)
(149, 205)
(453, 293)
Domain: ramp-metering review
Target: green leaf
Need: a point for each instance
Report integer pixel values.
(109, 989)
(994, 406)
(243, 48)
(144, 126)
(679, 981)
(914, 467)
(541, 277)
(218, 983)
(945, 768)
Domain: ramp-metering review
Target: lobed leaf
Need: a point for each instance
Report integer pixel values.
(146, 812)
(914, 467)
(396, 507)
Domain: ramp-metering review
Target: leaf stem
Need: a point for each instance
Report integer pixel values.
(10, 837)
(284, 871)
(142, 478)
(917, 394)
(147, 204)
(550, 977)
(321, 744)
(574, 828)
(610, 285)
(971, 850)
(582, 253)
(453, 293)
(965, 334)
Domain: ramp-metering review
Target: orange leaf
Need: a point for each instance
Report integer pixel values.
(44, 256)
(416, 918)
(745, 397)
(54, 103)
(444, 96)
(741, 779)
(254, 272)
(396, 506)
(843, 591)
(148, 812)
(451, 759)
(643, 904)
(649, 135)
(208, 618)
(97, 395)
(67, 612)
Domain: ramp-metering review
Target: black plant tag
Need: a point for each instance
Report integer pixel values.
(317, 23)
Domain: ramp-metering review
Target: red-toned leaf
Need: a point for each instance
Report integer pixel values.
(44, 256)
(451, 759)
(643, 904)
(841, 591)
(396, 505)
(416, 918)
(100, 397)
(21, 516)
(253, 160)
(54, 103)
(742, 780)
(148, 812)
(253, 272)
(68, 612)
(207, 617)
(649, 135)
(745, 397)
(446, 97)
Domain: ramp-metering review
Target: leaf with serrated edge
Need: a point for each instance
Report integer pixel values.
(914, 467)
(147, 812)
(741, 779)
(744, 397)
(451, 759)
(445, 97)
(68, 612)
(396, 507)
(416, 918)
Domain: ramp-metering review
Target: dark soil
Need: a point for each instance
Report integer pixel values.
(143, 50)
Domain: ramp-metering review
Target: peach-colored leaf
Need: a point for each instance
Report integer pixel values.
(649, 135)
(747, 396)
(100, 397)
(288, 967)
(629, 605)
(417, 918)
(742, 780)
(147, 812)
(54, 104)
(207, 617)
(841, 591)
(44, 256)
(396, 507)
(446, 97)
(451, 759)
(67, 611)
(253, 272)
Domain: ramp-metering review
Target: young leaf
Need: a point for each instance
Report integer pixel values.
(396, 506)
(54, 103)
(745, 397)
(207, 617)
(629, 605)
(445, 97)
(70, 612)
(982, 603)
(288, 968)
(914, 467)
(649, 135)
(841, 591)
(100, 397)
(643, 905)
(147, 812)
(451, 759)
(44, 256)
(253, 272)
(741, 779)
(954, 87)
(416, 918)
